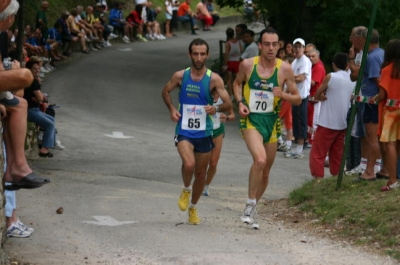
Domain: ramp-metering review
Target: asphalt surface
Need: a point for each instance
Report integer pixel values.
(119, 195)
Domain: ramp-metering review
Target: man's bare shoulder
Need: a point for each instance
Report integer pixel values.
(247, 63)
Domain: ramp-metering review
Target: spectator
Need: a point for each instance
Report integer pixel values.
(281, 53)
(168, 17)
(35, 97)
(317, 75)
(54, 41)
(41, 18)
(76, 32)
(66, 36)
(15, 228)
(335, 92)
(239, 30)
(93, 20)
(185, 15)
(18, 171)
(202, 14)
(174, 20)
(212, 12)
(302, 72)
(233, 50)
(106, 29)
(251, 49)
(153, 27)
(135, 20)
(116, 19)
(289, 48)
(389, 132)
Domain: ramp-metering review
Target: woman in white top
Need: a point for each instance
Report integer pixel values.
(233, 50)
(168, 16)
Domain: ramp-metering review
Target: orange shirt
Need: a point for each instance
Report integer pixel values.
(390, 85)
(183, 9)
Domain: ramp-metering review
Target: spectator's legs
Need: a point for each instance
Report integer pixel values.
(167, 28)
(82, 40)
(46, 122)
(14, 139)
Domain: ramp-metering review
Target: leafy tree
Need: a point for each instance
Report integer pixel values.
(326, 23)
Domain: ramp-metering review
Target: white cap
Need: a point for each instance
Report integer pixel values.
(299, 40)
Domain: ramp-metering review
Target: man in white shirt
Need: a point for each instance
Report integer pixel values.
(251, 48)
(302, 72)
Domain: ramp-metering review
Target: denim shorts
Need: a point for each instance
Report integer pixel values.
(201, 145)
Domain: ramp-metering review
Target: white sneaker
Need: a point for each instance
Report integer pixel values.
(161, 37)
(112, 36)
(108, 44)
(25, 227)
(248, 214)
(16, 231)
(357, 170)
(126, 39)
(293, 154)
(58, 145)
(43, 70)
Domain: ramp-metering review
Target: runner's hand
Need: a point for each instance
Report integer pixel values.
(243, 110)
(175, 115)
(210, 109)
(323, 97)
(222, 117)
(277, 92)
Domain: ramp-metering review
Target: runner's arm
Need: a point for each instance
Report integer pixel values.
(244, 66)
(174, 82)
(292, 93)
(218, 85)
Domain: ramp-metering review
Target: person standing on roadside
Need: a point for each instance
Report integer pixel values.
(193, 134)
(302, 72)
(259, 104)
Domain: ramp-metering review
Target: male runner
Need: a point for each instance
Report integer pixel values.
(259, 104)
(193, 134)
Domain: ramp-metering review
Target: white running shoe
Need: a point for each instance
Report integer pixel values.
(25, 227)
(357, 170)
(16, 231)
(248, 214)
(126, 39)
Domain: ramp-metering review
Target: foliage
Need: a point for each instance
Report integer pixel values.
(359, 212)
(326, 23)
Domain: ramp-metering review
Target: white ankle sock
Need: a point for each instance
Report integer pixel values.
(251, 201)
(192, 205)
(299, 149)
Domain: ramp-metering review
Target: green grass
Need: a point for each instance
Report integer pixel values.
(359, 212)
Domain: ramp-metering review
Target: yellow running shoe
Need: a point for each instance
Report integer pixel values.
(193, 217)
(183, 201)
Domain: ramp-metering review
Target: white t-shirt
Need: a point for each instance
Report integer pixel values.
(303, 65)
(169, 7)
(251, 51)
(140, 2)
(334, 110)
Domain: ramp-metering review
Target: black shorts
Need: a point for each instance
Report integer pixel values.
(299, 114)
(370, 113)
(201, 145)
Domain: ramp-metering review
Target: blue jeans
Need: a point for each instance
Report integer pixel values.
(187, 18)
(47, 123)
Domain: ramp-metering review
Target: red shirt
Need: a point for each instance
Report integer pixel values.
(317, 75)
(183, 9)
(134, 18)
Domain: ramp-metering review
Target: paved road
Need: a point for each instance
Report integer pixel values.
(120, 195)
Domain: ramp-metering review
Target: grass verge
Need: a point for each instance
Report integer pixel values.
(358, 213)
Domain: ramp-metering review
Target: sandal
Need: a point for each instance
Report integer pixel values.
(86, 51)
(391, 186)
(48, 154)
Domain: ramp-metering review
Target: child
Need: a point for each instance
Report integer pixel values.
(389, 115)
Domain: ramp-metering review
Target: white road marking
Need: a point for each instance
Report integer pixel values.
(108, 221)
(118, 135)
